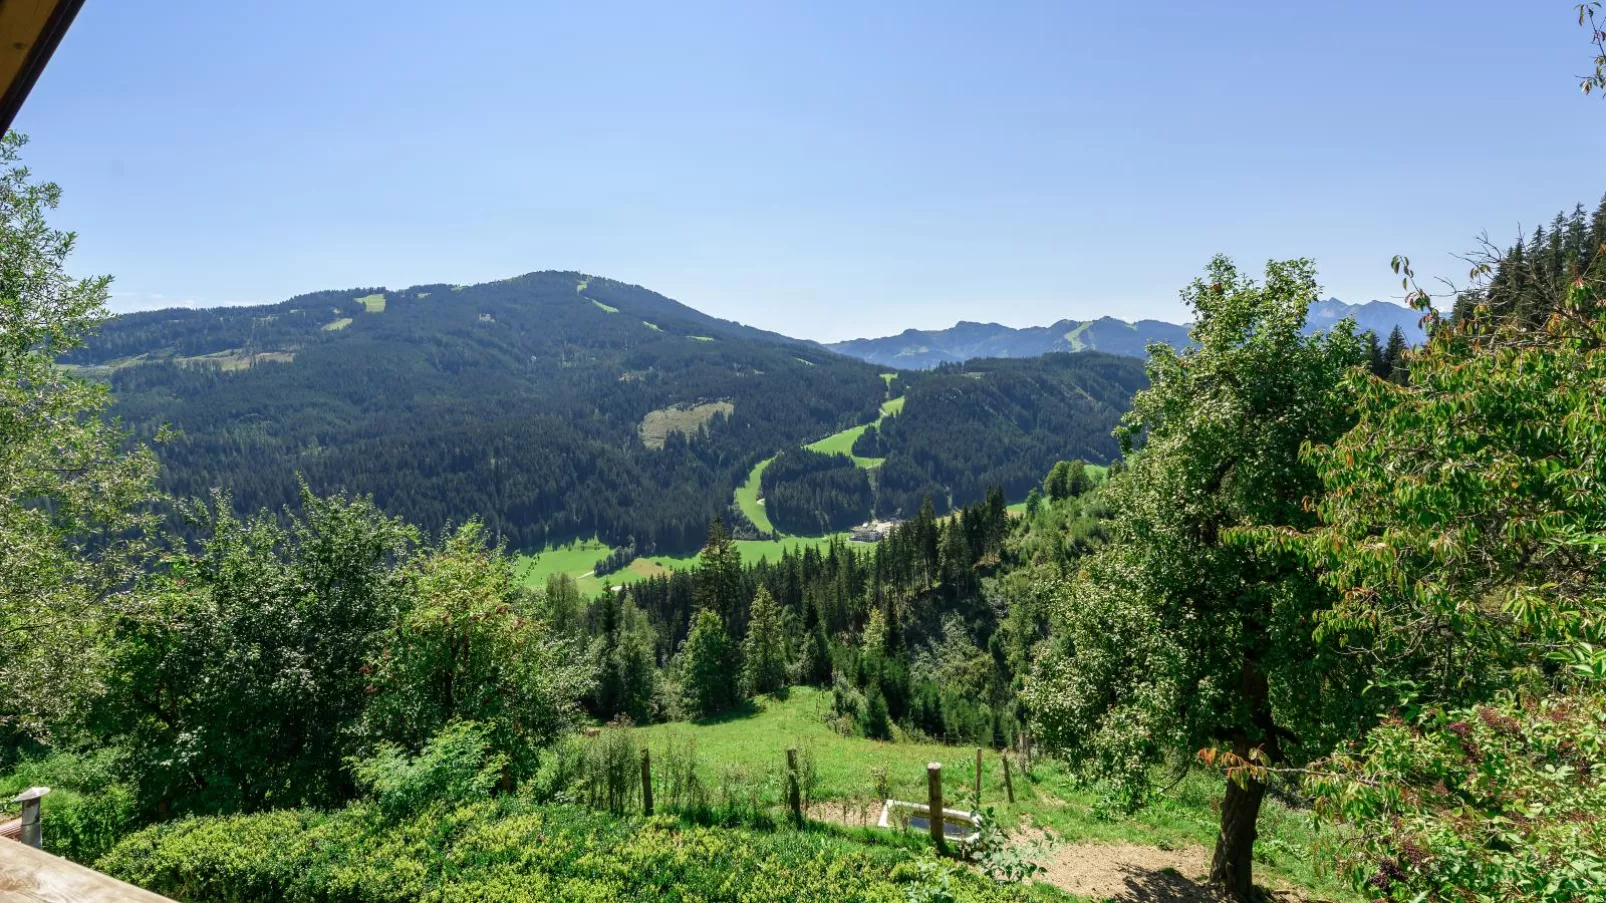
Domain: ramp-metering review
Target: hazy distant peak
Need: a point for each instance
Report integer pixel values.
(968, 340)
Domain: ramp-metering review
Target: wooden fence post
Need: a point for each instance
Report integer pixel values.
(978, 779)
(934, 800)
(794, 789)
(1009, 785)
(646, 780)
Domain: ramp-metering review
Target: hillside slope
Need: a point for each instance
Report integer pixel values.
(522, 402)
(557, 406)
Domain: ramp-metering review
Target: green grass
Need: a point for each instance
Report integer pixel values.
(337, 325)
(842, 443)
(374, 303)
(754, 740)
(803, 361)
(579, 559)
(605, 308)
(575, 559)
(652, 326)
(752, 550)
(701, 338)
(747, 498)
(888, 378)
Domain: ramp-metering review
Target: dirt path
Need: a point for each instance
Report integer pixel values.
(1115, 872)
(1129, 872)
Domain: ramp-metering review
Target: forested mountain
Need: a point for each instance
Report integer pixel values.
(917, 349)
(997, 422)
(556, 405)
(521, 402)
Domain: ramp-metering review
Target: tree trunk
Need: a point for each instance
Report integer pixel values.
(1232, 867)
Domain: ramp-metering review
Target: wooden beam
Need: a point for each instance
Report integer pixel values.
(29, 33)
(34, 876)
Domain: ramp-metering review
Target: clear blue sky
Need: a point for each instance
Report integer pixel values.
(824, 169)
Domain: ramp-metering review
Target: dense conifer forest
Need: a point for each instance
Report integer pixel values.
(520, 403)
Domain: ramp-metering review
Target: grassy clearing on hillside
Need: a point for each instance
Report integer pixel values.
(652, 326)
(605, 308)
(750, 745)
(574, 559)
(374, 303)
(842, 443)
(337, 325)
(747, 498)
(234, 359)
(701, 338)
(685, 419)
(579, 559)
(888, 378)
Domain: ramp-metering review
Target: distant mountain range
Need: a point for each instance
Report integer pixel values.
(917, 349)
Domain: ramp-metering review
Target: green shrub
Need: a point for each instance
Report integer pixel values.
(455, 766)
(512, 849)
(87, 809)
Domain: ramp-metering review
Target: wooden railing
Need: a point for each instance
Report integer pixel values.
(31, 875)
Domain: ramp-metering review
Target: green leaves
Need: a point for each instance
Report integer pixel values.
(75, 512)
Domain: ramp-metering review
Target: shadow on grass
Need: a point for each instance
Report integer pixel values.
(748, 709)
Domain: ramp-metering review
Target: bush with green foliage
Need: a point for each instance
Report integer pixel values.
(89, 807)
(1501, 801)
(456, 766)
(240, 683)
(470, 646)
(1462, 535)
(509, 848)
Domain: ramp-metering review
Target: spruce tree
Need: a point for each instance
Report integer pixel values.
(764, 649)
(708, 668)
(814, 666)
(1376, 361)
(719, 578)
(1394, 357)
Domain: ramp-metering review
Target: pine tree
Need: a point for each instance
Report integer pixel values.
(764, 650)
(1394, 356)
(708, 667)
(719, 579)
(1034, 502)
(877, 721)
(926, 538)
(1376, 362)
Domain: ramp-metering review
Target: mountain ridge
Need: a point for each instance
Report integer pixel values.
(923, 349)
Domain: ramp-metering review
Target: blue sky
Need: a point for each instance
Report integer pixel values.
(825, 169)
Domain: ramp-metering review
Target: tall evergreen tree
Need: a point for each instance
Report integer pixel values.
(708, 668)
(719, 578)
(1394, 357)
(1377, 362)
(764, 649)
